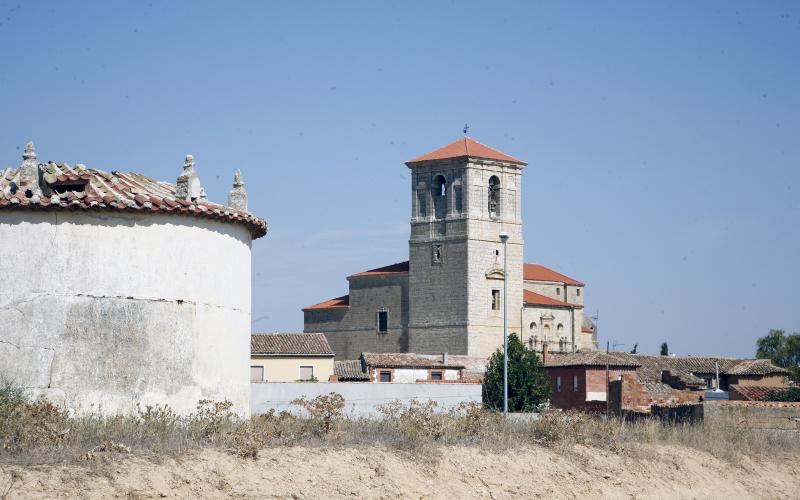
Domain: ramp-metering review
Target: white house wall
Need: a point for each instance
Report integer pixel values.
(103, 310)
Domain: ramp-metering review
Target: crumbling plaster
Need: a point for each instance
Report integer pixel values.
(104, 310)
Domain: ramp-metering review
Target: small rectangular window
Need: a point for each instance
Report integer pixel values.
(383, 321)
(436, 375)
(306, 372)
(558, 291)
(256, 374)
(386, 376)
(574, 383)
(558, 384)
(578, 291)
(495, 300)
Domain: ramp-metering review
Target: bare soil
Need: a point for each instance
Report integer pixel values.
(651, 471)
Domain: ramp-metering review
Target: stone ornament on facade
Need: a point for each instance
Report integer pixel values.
(188, 187)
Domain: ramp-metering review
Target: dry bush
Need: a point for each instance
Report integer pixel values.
(212, 420)
(250, 437)
(26, 424)
(325, 411)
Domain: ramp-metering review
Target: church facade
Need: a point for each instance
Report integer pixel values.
(448, 297)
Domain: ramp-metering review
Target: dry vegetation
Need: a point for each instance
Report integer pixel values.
(37, 432)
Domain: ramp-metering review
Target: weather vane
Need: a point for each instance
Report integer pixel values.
(466, 129)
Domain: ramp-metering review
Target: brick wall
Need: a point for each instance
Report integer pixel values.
(591, 393)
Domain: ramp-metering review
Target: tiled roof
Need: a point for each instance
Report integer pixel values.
(114, 191)
(350, 370)
(406, 360)
(342, 302)
(756, 367)
(587, 358)
(537, 272)
(466, 147)
(687, 367)
(290, 343)
(753, 392)
(398, 268)
(536, 299)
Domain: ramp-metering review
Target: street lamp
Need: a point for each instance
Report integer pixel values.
(504, 239)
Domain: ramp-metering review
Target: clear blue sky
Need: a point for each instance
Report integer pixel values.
(663, 140)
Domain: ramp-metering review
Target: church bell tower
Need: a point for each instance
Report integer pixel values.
(463, 196)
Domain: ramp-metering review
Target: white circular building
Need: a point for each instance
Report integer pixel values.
(116, 289)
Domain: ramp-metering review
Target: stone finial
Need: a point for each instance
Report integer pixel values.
(29, 172)
(188, 186)
(30, 152)
(237, 197)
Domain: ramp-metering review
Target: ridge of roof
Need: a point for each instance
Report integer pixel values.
(396, 268)
(342, 302)
(466, 147)
(538, 272)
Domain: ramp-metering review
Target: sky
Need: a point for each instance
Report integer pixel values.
(663, 138)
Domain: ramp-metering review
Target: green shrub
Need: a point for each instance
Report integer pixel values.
(528, 384)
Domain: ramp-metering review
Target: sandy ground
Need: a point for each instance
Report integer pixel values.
(653, 472)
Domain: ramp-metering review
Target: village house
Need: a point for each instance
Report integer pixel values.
(637, 381)
(448, 297)
(578, 380)
(290, 357)
(403, 368)
(120, 290)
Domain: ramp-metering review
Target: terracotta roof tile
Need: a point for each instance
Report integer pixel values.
(537, 272)
(342, 302)
(398, 268)
(753, 392)
(587, 358)
(350, 371)
(536, 299)
(406, 360)
(466, 147)
(117, 191)
(290, 343)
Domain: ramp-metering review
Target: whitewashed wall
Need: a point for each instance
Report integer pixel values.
(103, 310)
(361, 398)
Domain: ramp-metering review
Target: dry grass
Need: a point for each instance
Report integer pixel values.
(36, 432)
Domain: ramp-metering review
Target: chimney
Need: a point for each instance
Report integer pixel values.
(545, 352)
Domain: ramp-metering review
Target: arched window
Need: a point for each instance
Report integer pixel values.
(533, 327)
(494, 196)
(560, 328)
(546, 330)
(440, 197)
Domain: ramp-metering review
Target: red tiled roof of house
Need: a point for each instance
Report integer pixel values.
(290, 343)
(587, 358)
(398, 268)
(466, 147)
(342, 302)
(115, 191)
(407, 360)
(536, 299)
(537, 272)
(350, 371)
(752, 392)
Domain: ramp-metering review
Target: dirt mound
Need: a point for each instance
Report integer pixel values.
(458, 472)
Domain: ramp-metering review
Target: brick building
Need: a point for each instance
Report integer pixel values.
(448, 297)
(579, 379)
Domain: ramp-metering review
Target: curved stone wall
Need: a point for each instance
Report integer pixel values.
(103, 310)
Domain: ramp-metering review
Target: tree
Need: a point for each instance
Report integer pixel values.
(664, 349)
(635, 347)
(528, 384)
(782, 349)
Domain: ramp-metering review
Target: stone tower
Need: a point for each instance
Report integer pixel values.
(463, 196)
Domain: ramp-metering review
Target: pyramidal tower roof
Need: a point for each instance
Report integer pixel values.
(466, 147)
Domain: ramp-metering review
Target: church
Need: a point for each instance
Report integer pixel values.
(448, 297)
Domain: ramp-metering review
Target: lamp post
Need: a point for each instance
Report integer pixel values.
(504, 239)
